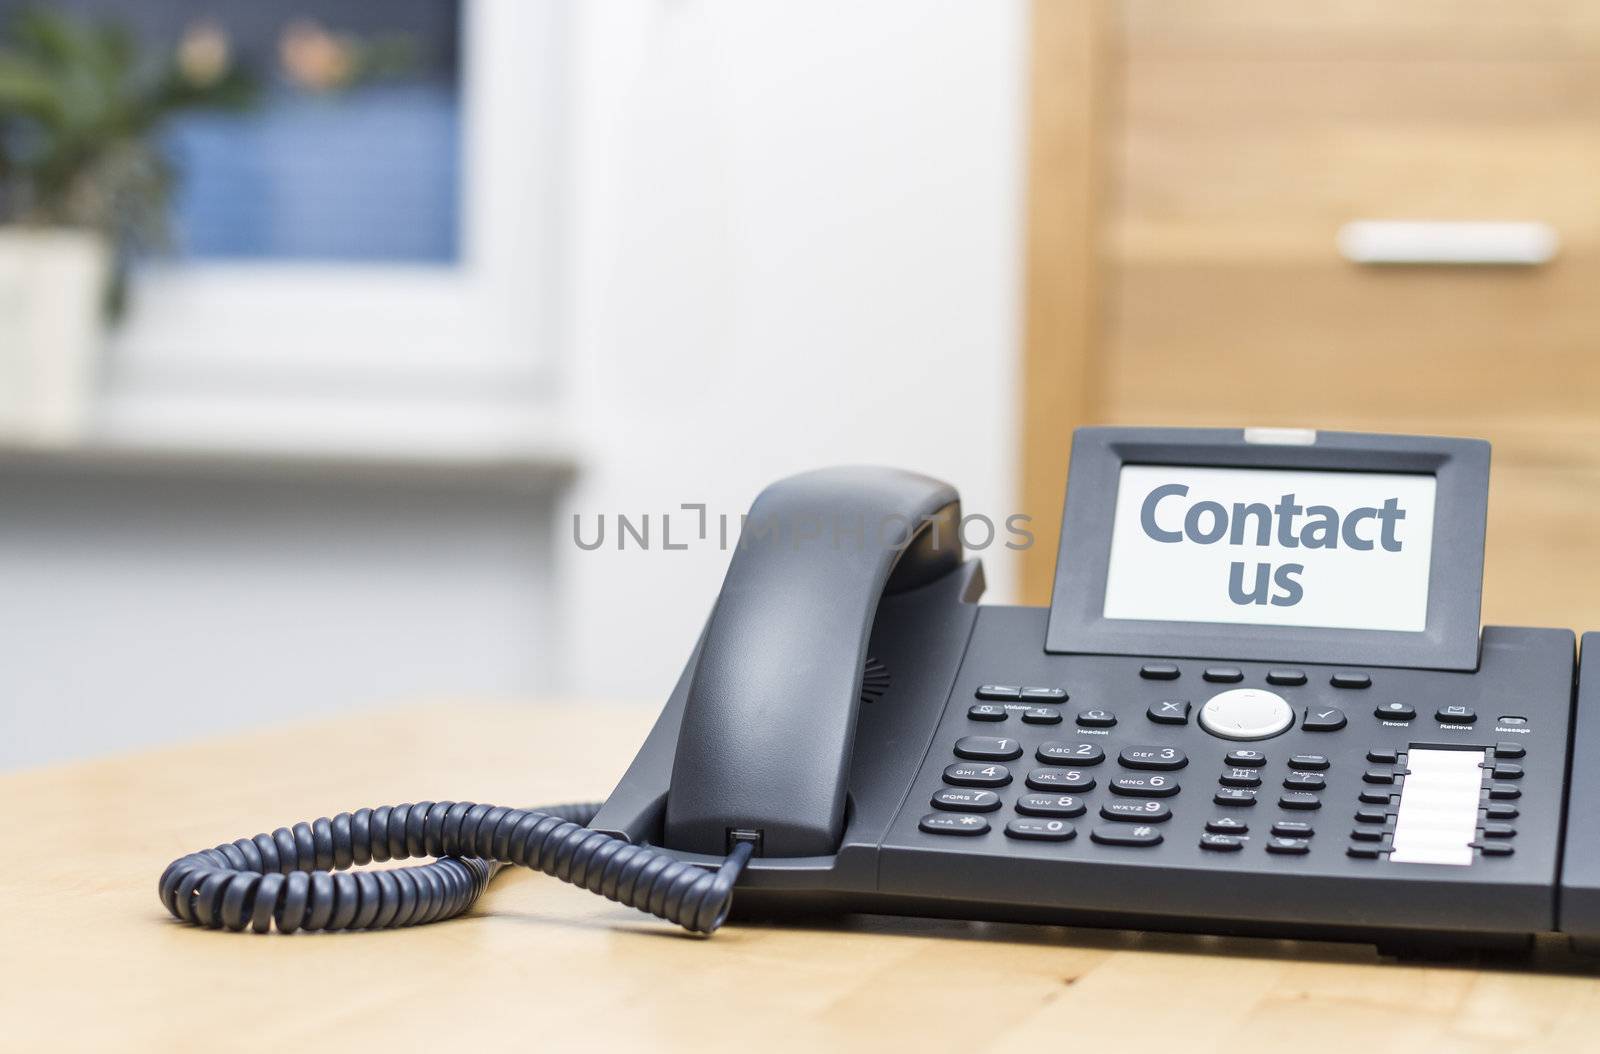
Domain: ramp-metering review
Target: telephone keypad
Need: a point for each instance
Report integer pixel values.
(1504, 792)
(988, 748)
(1223, 843)
(1292, 829)
(971, 774)
(1130, 811)
(1509, 750)
(1096, 719)
(1394, 711)
(1001, 693)
(1240, 778)
(1375, 797)
(1299, 800)
(1371, 816)
(1383, 757)
(1367, 834)
(1051, 805)
(987, 712)
(1223, 674)
(1040, 830)
(1159, 758)
(1348, 679)
(1286, 677)
(1305, 781)
(1159, 671)
(1308, 762)
(1060, 779)
(1456, 714)
(1234, 796)
(1246, 758)
(1153, 786)
(953, 799)
(1506, 772)
(1501, 812)
(1226, 825)
(1082, 754)
(1041, 715)
(1043, 695)
(965, 823)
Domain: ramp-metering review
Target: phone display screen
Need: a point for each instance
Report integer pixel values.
(1315, 548)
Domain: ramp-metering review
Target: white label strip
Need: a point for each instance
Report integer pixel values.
(1438, 817)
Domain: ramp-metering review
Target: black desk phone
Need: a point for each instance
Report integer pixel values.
(1259, 703)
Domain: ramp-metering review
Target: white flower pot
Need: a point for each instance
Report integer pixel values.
(52, 285)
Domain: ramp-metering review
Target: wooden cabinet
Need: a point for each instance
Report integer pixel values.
(1232, 140)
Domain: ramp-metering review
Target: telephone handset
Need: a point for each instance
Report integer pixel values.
(1259, 703)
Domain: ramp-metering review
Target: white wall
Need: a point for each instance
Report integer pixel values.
(796, 236)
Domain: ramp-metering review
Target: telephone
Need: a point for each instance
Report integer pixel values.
(1259, 703)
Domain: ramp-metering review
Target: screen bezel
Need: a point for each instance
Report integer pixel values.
(1449, 641)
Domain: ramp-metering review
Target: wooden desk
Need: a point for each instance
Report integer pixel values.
(91, 960)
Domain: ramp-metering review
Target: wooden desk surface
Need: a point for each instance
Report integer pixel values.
(91, 960)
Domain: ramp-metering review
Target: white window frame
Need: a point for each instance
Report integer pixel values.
(203, 336)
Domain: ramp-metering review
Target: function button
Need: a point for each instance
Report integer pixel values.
(1170, 712)
(1240, 778)
(1305, 781)
(1350, 680)
(1128, 811)
(1377, 778)
(987, 712)
(1501, 812)
(1163, 758)
(1158, 671)
(1394, 711)
(1315, 762)
(1375, 797)
(1511, 720)
(1504, 791)
(1371, 816)
(988, 748)
(1289, 846)
(1246, 713)
(1226, 825)
(1499, 830)
(956, 799)
(1223, 674)
(970, 774)
(1154, 786)
(1037, 830)
(1246, 758)
(1322, 719)
(1494, 848)
(1070, 754)
(1234, 796)
(1096, 719)
(1506, 771)
(1122, 834)
(1051, 805)
(953, 823)
(1364, 852)
(1292, 829)
(1060, 779)
(1509, 750)
(1286, 677)
(1042, 715)
(1367, 834)
(1299, 800)
(1456, 714)
(1221, 843)
(1044, 695)
(1004, 693)
(1383, 757)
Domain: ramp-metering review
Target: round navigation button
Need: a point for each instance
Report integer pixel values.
(1246, 713)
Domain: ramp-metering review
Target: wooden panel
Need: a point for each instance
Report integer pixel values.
(1245, 134)
(1060, 384)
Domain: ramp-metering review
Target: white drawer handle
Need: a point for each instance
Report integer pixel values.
(1448, 242)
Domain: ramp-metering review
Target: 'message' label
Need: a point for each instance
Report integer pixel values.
(1339, 550)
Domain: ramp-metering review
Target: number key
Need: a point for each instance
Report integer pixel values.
(971, 774)
(1162, 758)
(988, 748)
(1070, 754)
(1152, 786)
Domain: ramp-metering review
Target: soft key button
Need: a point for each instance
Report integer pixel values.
(1246, 713)
(1438, 816)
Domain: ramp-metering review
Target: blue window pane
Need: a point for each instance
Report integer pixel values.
(369, 175)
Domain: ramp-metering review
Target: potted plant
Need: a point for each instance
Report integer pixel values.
(83, 187)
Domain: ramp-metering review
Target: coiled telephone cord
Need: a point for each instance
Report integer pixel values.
(296, 879)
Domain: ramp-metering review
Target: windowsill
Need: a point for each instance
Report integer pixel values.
(513, 443)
